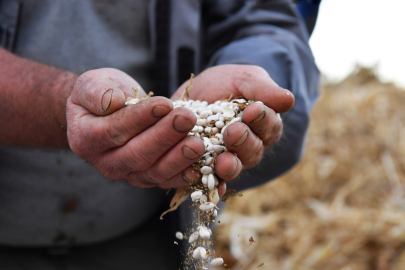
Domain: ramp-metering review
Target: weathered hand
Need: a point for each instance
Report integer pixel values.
(144, 144)
(261, 128)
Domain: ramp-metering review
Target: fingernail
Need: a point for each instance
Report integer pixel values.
(106, 101)
(289, 93)
(160, 111)
(242, 139)
(234, 168)
(189, 153)
(182, 124)
(259, 118)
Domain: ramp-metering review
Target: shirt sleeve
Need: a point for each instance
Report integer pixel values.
(272, 35)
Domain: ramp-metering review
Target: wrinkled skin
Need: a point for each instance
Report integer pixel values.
(147, 144)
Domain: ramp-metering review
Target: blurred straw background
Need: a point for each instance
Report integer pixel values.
(343, 206)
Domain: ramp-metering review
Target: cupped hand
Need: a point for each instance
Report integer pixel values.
(261, 127)
(145, 144)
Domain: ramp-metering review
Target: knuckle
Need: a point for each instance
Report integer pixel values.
(274, 135)
(140, 180)
(277, 131)
(139, 159)
(107, 171)
(82, 80)
(74, 144)
(154, 177)
(114, 136)
(161, 141)
(77, 142)
(255, 153)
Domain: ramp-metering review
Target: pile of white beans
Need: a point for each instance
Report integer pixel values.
(212, 121)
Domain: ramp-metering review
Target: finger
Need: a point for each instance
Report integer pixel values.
(241, 140)
(177, 159)
(221, 188)
(103, 91)
(264, 122)
(251, 82)
(97, 134)
(228, 166)
(142, 151)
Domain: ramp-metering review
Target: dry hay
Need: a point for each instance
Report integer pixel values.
(343, 206)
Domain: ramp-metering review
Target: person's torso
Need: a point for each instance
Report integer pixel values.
(50, 196)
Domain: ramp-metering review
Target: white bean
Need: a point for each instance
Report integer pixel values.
(219, 136)
(196, 195)
(211, 181)
(179, 235)
(224, 104)
(206, 113)
(239, 100)
(237, 119)
(203, 199)
(204, 179)
(219, 149)
(207, 141)
(215, 213)
(206, 206)
(228, 112)
(217, 109)
(212, 118)
(219, 124)
(203, 253)
(214, 141)
(206, 170)
(193, 237)
(201, 122)
(208, 161)
(197, 253)
(217, 262)
(200, 110)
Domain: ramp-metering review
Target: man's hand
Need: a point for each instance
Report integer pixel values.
(144, 144)
(261, 127)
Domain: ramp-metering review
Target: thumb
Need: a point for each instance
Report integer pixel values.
(103, 91)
